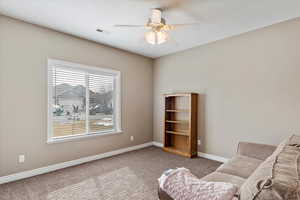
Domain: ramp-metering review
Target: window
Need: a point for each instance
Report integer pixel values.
(82, 101)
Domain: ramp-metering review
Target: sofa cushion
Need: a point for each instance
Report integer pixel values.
(242, 166)
(222, 177)
(277, 178)
(254, 150)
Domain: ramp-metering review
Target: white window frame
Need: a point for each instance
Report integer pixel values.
(85, 69)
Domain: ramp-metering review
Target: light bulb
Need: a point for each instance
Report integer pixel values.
(156, 37)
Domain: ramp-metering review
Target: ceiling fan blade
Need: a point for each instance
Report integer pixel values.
(187, 6)
(165, 5)
(169, 27)
(129, 26)
(174, 4)
(102, 31)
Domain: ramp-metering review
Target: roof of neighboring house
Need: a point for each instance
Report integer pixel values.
(68, 91)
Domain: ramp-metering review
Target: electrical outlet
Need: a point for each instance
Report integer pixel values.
(21, 158)
(199, 142)
(131, 138)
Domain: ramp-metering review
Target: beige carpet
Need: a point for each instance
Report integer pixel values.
(131, 175)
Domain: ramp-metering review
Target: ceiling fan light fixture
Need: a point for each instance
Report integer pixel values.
(156, 37)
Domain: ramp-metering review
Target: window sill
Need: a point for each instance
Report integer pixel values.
(83, 136)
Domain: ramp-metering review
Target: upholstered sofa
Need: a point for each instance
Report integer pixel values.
(262, 172)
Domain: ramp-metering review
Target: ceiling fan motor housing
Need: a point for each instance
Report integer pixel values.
(156, 22)
(156, 16)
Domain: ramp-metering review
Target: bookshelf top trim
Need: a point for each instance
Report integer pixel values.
(179, 94)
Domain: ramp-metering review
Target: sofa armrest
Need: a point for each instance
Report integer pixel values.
(254, 150)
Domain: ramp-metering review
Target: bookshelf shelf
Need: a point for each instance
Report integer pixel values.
(178, 111)
(178, 133)
(177, 121)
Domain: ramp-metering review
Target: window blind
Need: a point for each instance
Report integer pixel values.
(69, 107)
(100, 102)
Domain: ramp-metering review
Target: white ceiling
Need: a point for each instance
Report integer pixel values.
(218, 19)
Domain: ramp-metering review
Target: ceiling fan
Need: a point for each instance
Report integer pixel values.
(158, 28)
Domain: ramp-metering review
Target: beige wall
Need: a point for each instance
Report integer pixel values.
(24, 50)
(249, 86)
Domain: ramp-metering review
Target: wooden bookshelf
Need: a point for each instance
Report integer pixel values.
(180, 124)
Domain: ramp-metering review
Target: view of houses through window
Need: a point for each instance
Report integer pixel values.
(82, 102)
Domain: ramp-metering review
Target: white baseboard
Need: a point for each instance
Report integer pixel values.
(50, 168)
(157, 144)
(200, 154)
(213, 157)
